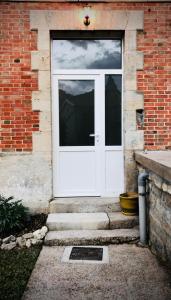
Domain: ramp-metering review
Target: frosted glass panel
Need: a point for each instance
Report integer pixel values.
(76, 112)
(86, 54)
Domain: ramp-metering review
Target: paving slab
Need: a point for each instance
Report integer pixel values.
(84, 204)
(69, 221)
(91, 237)
(132, 274)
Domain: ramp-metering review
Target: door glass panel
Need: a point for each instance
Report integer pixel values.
(113, 110)
(87, 54)
(76, 112)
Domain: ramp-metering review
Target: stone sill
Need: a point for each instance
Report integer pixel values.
(158, 162)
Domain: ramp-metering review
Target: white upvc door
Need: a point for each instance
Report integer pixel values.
(77, 135)
(87, 134)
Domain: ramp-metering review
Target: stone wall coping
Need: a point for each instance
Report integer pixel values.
(158, 162)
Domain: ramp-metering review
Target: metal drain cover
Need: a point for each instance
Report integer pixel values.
(86, 253)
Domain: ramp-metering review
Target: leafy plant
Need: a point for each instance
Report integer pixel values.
(12, 214)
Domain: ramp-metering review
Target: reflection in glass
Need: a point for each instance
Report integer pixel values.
(76, 112)
(87, 54)
(113, 110)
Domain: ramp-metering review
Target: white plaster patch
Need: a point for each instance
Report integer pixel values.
(67, 252)
(27, 177)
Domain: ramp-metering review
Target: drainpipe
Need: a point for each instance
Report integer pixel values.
(142, 177)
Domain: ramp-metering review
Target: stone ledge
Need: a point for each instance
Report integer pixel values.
(158, 162)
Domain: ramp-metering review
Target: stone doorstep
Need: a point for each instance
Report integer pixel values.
(91, 237)
(84, 204)
(118, 221)
(78, 221)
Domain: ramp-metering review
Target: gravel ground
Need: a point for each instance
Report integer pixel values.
(132, 273)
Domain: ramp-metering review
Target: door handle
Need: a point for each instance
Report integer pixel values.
(93, 135)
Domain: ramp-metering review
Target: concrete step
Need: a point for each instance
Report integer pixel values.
(69, 221)
(84, 204)
(118, 221)
(91, 237)
(77, 221)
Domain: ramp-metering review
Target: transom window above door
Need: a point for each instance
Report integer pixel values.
(87, 54)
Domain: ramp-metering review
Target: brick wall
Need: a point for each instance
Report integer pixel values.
(155, 80)
(17, 81)
(18, 121)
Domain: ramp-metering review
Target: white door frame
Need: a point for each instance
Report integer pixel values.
(85, 74)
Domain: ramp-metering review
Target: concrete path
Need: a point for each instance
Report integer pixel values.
(132, 274)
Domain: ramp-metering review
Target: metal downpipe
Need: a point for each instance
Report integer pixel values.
(142, 177)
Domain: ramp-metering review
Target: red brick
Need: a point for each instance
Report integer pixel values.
(18, 81)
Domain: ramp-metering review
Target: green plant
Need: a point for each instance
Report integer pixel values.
(12, 214)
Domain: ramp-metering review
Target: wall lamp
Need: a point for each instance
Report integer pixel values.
(86, 20)
(87, 15)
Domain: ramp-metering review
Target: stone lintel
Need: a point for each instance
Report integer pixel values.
(64, 19)
(158, 162)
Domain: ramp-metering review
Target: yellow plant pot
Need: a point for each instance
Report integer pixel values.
(129, 203)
